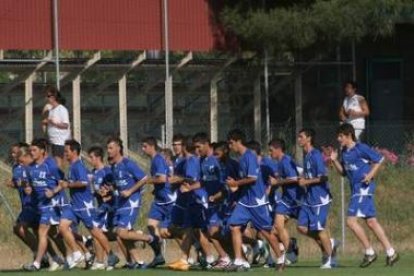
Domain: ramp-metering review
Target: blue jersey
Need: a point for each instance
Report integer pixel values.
(126, 174)
(254, 194)
(20, 174)
(229, 168)
(192, 174)
(211, 175)
(81, 197)
(60, 199)
(357, 163)
(102, 177)
(163, 193)
(269, 167)
(316, 194)
(43, 176)
(179, 164)
(292, 194)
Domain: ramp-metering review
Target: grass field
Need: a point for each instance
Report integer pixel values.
(308, 268)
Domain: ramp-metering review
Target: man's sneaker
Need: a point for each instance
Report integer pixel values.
(158, 260)
(112, 260)
(221, 264)
(326, 265)
(97, 266)
(391, 260)
(179, 265)
(54, 266)
(367, 260)
(76, 260)
(30, 267)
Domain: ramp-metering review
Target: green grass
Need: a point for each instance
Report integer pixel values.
(306, 268)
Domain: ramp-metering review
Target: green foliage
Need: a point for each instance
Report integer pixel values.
(296, 25)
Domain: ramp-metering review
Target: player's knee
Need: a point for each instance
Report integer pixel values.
(121, 233)
(351, 222)
(372, 222)
(303, 230)
(19, 230)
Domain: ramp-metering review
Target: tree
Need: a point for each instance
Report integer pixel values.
(300, 24)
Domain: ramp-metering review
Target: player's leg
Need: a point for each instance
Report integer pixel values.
(25, 235)
(283, 234)
(379, 232)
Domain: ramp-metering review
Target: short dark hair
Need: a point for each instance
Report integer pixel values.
(278, 143)
(237, 135)
(255, 146)
(188, 144)
(118, 141)
(73, 145)
(309, 132)
(353, 84)
(53, 91)
(19, 145)
(346, 129)
(201, 137)
(39, 143)
(221, 145)
(150, 140)
(97, 151)
(178, 137)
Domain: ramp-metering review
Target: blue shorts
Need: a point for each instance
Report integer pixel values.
(313, 217)
(105, 218)
(283, 209)
(259, 217)
(161, 213)
(125, 217)
(29, 217)
(213, 217)
(362, 207)
(49, 215)
(196, 217)
(86, 216)
(178, 216)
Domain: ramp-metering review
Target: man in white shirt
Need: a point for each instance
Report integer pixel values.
(57, 122)
(354, 109)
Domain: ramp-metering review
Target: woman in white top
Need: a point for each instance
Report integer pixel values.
(57, 122)
(354, 109)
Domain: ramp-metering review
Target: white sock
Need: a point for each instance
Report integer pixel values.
(244, 248)
(281, 247)
(36, 264)
(390, 252)
(370, 251)
(332, 243)
(328, 260)
(210, 259)
(77, 255)
(259, 244)
(225, 259)
(238, 261)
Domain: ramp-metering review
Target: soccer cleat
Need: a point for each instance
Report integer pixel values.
(76, 260)
(112, 259)
(98, 266)
(391, 260)
(30, 267)
(179, 265)
(368, 260)
(221, 264)
(158, 260)
(54, 266)
(326, 265)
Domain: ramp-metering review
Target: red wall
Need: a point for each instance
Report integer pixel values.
(107, 24)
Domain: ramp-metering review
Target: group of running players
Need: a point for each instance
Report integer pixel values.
(220, 198)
